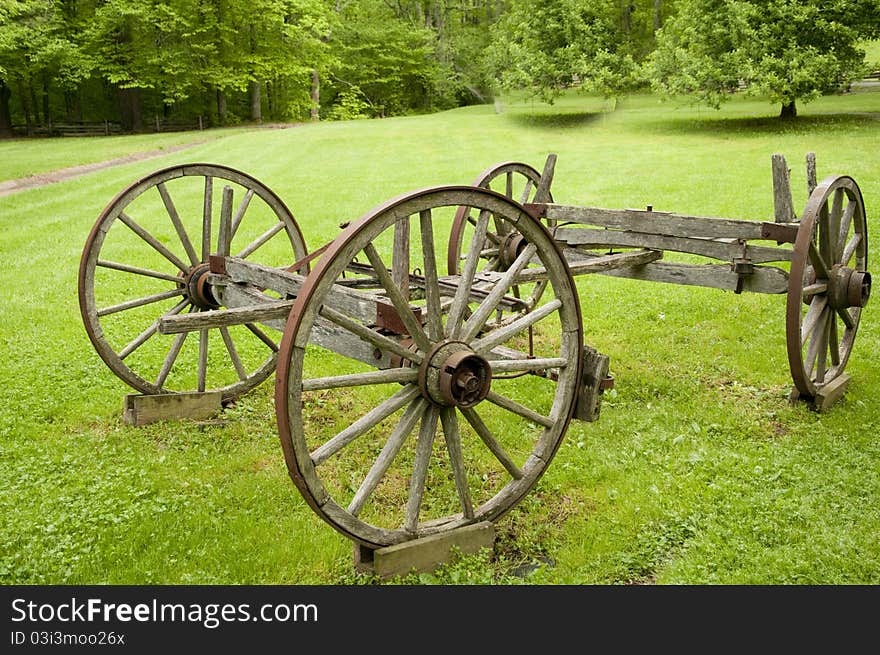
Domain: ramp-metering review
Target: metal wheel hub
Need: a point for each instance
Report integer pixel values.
(197, 287)
(511, 248)
(453, 375)
(848, 288)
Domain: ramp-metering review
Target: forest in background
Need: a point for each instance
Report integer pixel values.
(137, 63)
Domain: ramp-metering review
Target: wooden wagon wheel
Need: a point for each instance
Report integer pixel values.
(502, 244)
(147, 257)
(828, 284)
(345, 422)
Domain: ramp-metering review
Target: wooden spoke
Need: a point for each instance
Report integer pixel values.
(140, 302)
(816, 341)
(822, 351)
(814, 313)
(178, 225)
(379, 340)
(400, 433)
(239, 213)
(206, 217)
(449, 420)
(491, 443)
(369, 420)
(424, 447)
(850, 249)
(137, 270)
(462, 294)
(224, 238)
(400, 303)
(524, 198)
(477, 320)
(845, 224)
(262, 336)
(203, 360)
(152, 241)
(517, 408)
(233, 353)
(260, 240)
(499, 336)
(381, 376)
(834, 342)
(822, 270)
(432, 287)
(170, 358)
(833, 226)
(141, 339)
(846, 317)
(522, 365)
(814, 289)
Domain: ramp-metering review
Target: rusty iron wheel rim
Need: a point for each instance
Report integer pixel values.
(290, 402)
(114, 356)
(820, 329)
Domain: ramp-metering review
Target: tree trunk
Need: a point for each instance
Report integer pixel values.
(5, 113)
(221, 107)
(658, 14)
(130, 110)
(256, 106)
(316, 95)
(789, 110)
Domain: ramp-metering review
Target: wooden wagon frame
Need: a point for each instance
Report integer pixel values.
(430, 352)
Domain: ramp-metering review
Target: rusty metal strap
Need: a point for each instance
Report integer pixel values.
(293, 268)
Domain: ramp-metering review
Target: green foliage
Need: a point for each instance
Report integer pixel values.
(783, 49)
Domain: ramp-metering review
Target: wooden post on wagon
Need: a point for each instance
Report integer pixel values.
(783, 207)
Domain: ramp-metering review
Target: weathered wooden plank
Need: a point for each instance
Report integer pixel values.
(593, 375)
(400, 264)
(764, 279)
(354, 303)
(716, 249)
(225, 317)
(143, 409)
(783, 209)
(596, 264)
(812, 182)
(426, 553)
(654, 222)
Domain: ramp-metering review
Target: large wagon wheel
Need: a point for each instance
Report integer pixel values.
(345, 421)
(828, 285)
(501, 245)
(147, 257)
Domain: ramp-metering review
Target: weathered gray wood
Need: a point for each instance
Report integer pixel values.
(170, 358)
(262, 313)
(594, 372)
(203, 360)
(378, 340)
(449, 421)
(140, 302)
(478, 319)
(425, 554)
(716, 249)
(764, 279)
(137, 270)
(261, 240)
(178, 225)
(400, 264)
(141, 409)
(424, 448)
(206, 217)
(383, 376)
(389, 452)
(783, 209)
(499, 336)
(521, 364)
(491, 442)
(401, 304)
(828, 394)
(654, 222)
(141, 339)
(431, 280)
(542, 193)
(812, 182)
(372, 418)
(517, 408)
(596, 264)
(224, 238)
(233, 353)
(462, 294)
(351, 302)
(242, 208)
(152, 241)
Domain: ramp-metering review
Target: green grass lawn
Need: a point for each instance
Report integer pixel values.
(699, 471)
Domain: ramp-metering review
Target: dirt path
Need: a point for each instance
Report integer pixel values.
(42, 179)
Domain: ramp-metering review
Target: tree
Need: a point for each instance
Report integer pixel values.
(788, 50)
(548, 45)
